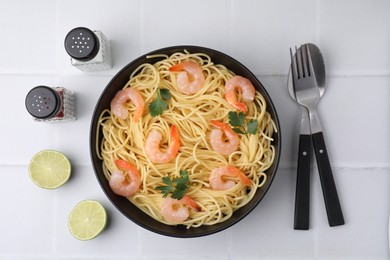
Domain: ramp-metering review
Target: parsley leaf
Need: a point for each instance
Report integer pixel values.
(165, 93)
(165, 190)
(252, 126)
(157, 106)
(178, 194)
(167, 181)
(178, 186)
(239, 131)
(237, 121)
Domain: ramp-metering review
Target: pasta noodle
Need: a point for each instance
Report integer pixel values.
(191, 114)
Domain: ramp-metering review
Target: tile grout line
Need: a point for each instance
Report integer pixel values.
(231, 23)
(56, 71)
(318, 21)
(141, 25)
(54, 223)
(229, 244)
(356, 168)
(332, 74)
(141, 48)
(57, 36)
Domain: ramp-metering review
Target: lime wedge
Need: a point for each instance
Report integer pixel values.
(49, 169)
(87, 220)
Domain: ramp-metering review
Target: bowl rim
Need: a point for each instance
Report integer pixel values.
(194, 231)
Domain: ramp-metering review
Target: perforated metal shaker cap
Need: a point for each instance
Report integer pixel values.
(82, 44)
(43, 102)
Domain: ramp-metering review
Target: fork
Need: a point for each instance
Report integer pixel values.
(302, 191)
(307, 94)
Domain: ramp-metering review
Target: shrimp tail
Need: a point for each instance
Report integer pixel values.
(219, 125)
(175, 137)
(177, 67)
(174, 133)
(137, 115)
(240, 174)
(191, 203)
(241, 106)
(124, 165)
(245, 180)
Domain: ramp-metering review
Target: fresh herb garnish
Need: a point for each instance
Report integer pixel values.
(157, 106)
(178, 186)
(252, 126)
(237, 121)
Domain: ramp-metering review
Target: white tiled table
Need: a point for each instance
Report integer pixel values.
(354, 36)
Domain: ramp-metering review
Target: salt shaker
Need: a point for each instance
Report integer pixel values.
(89, 50)
(51, 104)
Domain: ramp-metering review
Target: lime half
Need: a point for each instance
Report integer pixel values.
(87, 220)
(49, 169)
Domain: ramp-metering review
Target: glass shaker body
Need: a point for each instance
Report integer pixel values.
(89, 50)
(51, 104)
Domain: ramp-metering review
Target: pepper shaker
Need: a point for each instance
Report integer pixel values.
(51, 104)
(89, 50)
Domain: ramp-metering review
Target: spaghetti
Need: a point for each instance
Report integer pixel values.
(125, 139)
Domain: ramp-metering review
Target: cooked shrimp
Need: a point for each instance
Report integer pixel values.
(218, 183)
(152, 146)
(175, 211)
(190, 79)
(223, 139)
(118, 107)
(247, 92)
(127, 182)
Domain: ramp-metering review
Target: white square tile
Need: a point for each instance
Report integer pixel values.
(211, 246)
(263, 31)
(185, 23)
(28, 36)
(364, 195)
(27, 210)
(354, 36)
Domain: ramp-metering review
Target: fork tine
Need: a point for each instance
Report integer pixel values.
(298, 57)
(309, 62)
(305, 59)
(302, 61)
(296, 63)
(293, 66)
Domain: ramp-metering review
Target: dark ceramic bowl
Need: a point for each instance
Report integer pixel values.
(124, 205)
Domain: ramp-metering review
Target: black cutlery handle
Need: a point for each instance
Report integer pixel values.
(302, 194)
(332, 203)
